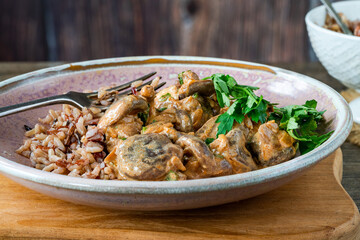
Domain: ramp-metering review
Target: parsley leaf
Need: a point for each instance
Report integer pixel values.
(301, 122)
(226, 122)
(241, 101)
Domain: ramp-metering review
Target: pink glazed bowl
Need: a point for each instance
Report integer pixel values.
(278, 85)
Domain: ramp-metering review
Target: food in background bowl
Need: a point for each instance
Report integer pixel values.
(338, 53)
(197, 128)
(331, 24)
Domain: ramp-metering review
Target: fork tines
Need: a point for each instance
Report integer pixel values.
(123, 86)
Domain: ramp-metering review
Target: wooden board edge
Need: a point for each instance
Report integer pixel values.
(351, 228)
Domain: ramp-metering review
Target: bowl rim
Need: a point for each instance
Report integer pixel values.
(279, 171)
(310, 23)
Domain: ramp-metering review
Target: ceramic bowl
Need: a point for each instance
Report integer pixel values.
(339, 53)
(275, 84)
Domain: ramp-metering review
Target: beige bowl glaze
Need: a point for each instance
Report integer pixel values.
(275, 84)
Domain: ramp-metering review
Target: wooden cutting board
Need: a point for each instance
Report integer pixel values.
(315, 206)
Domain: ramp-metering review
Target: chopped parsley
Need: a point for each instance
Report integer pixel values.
(219, 156)
(143, 129)
(245, 102)
(122, 138)
(180, 77)
(171, 176)
(165, 97)
(301, 122)
(161, 109)
(209, 140)
(195, 95)
(143, 117)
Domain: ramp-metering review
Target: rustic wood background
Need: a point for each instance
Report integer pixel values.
(68, 30)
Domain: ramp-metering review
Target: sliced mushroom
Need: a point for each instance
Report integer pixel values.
(148, 157)
(121, 108)
(203, 87)
(192, 84)
(201, 161)
(272, 145)
(180, 118)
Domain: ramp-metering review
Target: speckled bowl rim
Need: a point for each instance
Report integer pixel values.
(341, 132)
(310, 23)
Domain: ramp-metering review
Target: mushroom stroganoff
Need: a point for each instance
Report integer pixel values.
(197, 128)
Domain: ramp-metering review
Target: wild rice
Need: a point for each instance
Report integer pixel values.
(68, 142)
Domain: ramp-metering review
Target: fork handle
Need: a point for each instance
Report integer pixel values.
(8, 110)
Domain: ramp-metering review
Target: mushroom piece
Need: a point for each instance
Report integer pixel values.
(124, 106)
(272, 145)
(198, 108)
(188, 76)
(201, 162)
(147, 157)
(232, 147)
(180, 118)
(192, 84)
(147, 92)
(203, 87)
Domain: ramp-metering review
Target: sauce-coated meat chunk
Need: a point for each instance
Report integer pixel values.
(232, 147)
(272, 145)
(200, 161)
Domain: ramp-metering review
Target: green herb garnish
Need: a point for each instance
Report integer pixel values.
(143, 116)
(171, 176)
(245, 102)
(301, 122)
(143, 129)
(209, 140)
(122, 138)
(165, 97)
(180, 77)
(219, 156)
(195, 95)
(161, 109)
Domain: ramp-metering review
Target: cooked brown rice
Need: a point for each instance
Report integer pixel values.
(68, 142)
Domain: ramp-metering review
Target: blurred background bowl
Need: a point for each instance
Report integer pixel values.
(338, 53)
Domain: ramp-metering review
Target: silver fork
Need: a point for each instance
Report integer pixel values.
(76, 99)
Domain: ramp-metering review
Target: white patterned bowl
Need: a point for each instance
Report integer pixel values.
(339, 53)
